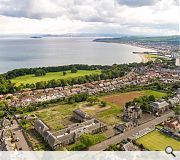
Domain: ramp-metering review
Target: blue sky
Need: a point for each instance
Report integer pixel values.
(136, 17)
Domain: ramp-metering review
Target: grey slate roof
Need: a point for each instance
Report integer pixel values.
(52, 140)
(160, 104)
(41, 125)
(80, 113)
(121, 127)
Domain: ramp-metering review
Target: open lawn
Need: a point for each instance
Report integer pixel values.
(156, 94)
(56, 117)
(110, 116)
(31, 78)
(120, 99)
(151, 56)
(158, 141)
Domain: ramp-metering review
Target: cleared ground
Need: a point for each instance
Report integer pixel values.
(117, 101)
(110, 114)
(122, 98)
(31, 78)
(93, 110)
(158, 141)
(58, 116)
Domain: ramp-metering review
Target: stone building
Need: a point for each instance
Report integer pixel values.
(131, 113)
(5, 123)
(80, 116)
(160, 107)
(70, 134)
(173, 101)
(5, 141)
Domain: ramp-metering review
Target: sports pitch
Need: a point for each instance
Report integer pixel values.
(158, 141)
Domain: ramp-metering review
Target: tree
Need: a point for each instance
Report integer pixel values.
(103, 104)
(2, 105)
(40, 85)
(152, 98)
(78, 146)
(74, 70)
(87, 139)
(177, 110)
(92, 100)
(3, 88)
(64, 73)
(1, 114)
(40, 72)
(128, 104)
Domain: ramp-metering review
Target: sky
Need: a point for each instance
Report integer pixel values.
(132, 17)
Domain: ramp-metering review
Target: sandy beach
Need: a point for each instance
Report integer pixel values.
(144, 58)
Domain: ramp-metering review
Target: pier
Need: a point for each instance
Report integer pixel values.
(155, 53)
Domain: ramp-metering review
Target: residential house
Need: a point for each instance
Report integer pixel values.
(5, 123)
(129, 147)
(173, 101)
(5, 141)
(173, 124)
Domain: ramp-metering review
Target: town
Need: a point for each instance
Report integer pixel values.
(85, 129)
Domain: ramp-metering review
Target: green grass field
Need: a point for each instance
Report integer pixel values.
(158, 141)
(156, 94)
(111, 115)
(31, 78)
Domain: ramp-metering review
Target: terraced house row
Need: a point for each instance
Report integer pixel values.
(28, 97)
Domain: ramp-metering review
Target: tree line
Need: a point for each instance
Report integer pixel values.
(105, 74)
(25, 71)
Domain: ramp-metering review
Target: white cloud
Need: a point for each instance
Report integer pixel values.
(63, 16)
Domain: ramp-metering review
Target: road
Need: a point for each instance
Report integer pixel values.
(118, 138)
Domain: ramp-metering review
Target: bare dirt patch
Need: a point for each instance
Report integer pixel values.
(121, 99)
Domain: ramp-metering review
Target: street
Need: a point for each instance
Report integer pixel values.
(18, 134)
(118, 138)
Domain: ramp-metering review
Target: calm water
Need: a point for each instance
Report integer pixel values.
(27, 52)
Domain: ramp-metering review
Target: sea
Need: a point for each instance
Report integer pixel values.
(22, 51)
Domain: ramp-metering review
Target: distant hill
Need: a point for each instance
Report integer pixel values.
(175, 39)
(165, 44)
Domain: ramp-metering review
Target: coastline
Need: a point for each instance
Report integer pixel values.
(144, 58)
